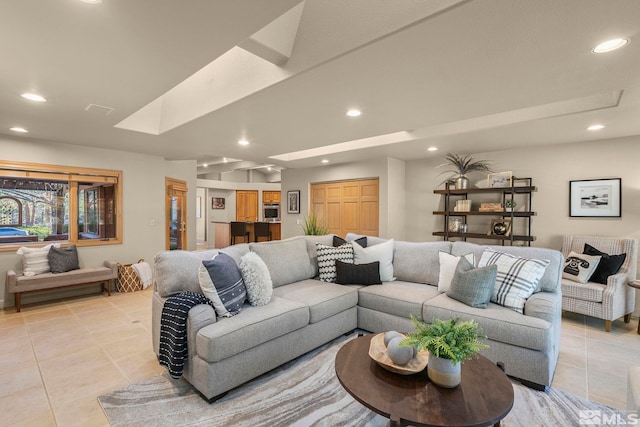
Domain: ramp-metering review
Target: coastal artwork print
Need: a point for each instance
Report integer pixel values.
(595, 197)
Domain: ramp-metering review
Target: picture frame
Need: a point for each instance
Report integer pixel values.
(500, 227)
(595, 198)
(293, 201)
(217, 203)
(500, 179)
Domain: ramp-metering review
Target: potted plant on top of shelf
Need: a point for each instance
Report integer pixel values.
(459, 165)
(450, 343)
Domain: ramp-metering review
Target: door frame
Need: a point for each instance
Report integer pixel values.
(175, 187)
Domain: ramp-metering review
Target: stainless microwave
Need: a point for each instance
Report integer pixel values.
(271, 211)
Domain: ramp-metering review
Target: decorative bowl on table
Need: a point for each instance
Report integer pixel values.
(378, 352)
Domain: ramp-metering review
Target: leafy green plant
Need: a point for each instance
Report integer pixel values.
(313, 226)
(461, 164)
(510, 204)
(449, 339)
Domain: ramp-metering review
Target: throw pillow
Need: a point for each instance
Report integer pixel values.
(448, 264)
(473, 286)
(35, 260)
(382, 252)
(227, 283)
(358, 274)
(579, 267)
(516, 280)
(608, 265)
(257, 280)
(338, 241)
(63, 259)
(327, 257)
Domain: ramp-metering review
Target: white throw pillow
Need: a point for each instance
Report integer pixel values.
(580, 267)
(36, 260)
(382, 253)
(517, 278)
(448, 264)
(257, 279)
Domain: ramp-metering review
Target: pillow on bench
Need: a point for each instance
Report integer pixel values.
(62, 260)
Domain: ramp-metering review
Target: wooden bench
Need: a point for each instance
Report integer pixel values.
(19, 284)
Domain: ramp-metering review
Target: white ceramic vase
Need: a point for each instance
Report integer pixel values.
(443, 372)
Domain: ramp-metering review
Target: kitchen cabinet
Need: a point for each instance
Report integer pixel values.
(247, 205)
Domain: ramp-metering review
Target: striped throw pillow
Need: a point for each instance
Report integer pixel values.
(327, 257)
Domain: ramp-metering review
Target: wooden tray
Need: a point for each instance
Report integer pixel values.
(378, 352)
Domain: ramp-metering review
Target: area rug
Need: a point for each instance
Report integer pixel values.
(306, 392)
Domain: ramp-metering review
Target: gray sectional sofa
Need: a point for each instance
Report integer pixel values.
(305, 313)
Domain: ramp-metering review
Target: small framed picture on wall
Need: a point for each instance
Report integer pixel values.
(293, 202)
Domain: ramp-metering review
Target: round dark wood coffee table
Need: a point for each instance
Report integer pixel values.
(484, 397)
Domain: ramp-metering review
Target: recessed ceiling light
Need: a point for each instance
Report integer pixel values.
(34, 97)
(224, 160)
(205, 165)
(92, 1)
(595, 127)
(269, 168)
(19, 129)
(243, 142)
(610, 45)
(324, 161)
(354, 113)
(432, 149)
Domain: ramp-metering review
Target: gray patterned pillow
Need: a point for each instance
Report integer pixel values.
(327, 257)
(229, 286)
(472, 286)
(62, 260)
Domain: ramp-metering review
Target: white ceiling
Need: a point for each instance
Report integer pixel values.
(465, 76)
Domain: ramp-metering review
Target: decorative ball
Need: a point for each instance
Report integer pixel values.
(400, 355)
(499, 228)
(388, 336)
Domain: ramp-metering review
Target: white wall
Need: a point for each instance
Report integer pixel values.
(390, 191)
(143, 202)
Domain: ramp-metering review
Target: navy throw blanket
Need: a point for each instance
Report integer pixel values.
(173, 330)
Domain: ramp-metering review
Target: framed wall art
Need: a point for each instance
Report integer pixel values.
(293, 202)
(595, 198)
(499, 179)
(217, 203)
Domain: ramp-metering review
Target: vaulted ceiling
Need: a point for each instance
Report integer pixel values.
(188, 80)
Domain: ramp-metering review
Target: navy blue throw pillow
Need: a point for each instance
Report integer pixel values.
(227, 279)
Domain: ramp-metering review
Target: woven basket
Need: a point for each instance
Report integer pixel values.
(128, 280)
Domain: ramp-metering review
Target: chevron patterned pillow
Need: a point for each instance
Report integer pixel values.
(327, 256)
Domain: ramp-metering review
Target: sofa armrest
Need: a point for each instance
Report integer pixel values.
(113, 266)
(11, 280)
(544, 305)
(199, 316)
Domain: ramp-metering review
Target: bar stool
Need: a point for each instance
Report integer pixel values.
(239, 229)
(261, 229)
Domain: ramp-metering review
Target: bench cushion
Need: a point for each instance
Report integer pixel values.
(55, 280)
(323, 299)
(251, 327)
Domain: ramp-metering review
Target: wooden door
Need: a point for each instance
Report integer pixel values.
(176, 214)
(347, 206)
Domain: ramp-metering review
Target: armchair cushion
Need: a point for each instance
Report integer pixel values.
(608, 265)
(580, 267)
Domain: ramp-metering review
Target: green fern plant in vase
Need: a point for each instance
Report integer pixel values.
(450, 343)
(313, 226)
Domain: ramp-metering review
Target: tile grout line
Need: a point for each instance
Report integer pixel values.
(44, 384)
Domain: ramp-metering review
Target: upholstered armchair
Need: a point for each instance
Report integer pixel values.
(611, 301)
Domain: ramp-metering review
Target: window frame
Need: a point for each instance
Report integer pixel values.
(73, 175)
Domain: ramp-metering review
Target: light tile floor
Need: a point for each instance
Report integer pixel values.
(58, 357)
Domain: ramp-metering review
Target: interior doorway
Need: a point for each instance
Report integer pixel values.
(176, 214)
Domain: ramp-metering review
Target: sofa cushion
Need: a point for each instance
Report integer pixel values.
(383, 253)
(358, 274)
(472, 286)
(177, 271)
(323, 299)
(608, 265)
(62, 260)
(498, 323)
(398, 298)
(327, 257)
(287, 260)
(326, 240)
(580, 267)
(251, 327)
(550, 280)
(589, 291)
(418, 262)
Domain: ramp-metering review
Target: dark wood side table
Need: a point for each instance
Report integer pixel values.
(484, 397)
(636, 284)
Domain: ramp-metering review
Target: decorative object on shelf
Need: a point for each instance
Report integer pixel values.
(452, 341)
(460, 165)
(464, 228)
(490, 207)
(293, 202)
(510, 205)
(454, 225)
(500, 179)
(500, 227)
(595, 198)
(313, 226)
(462, 206)
(217, 203)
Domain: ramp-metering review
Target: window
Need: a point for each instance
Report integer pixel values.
(41, 203)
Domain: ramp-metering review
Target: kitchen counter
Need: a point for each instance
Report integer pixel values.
(223, 233)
